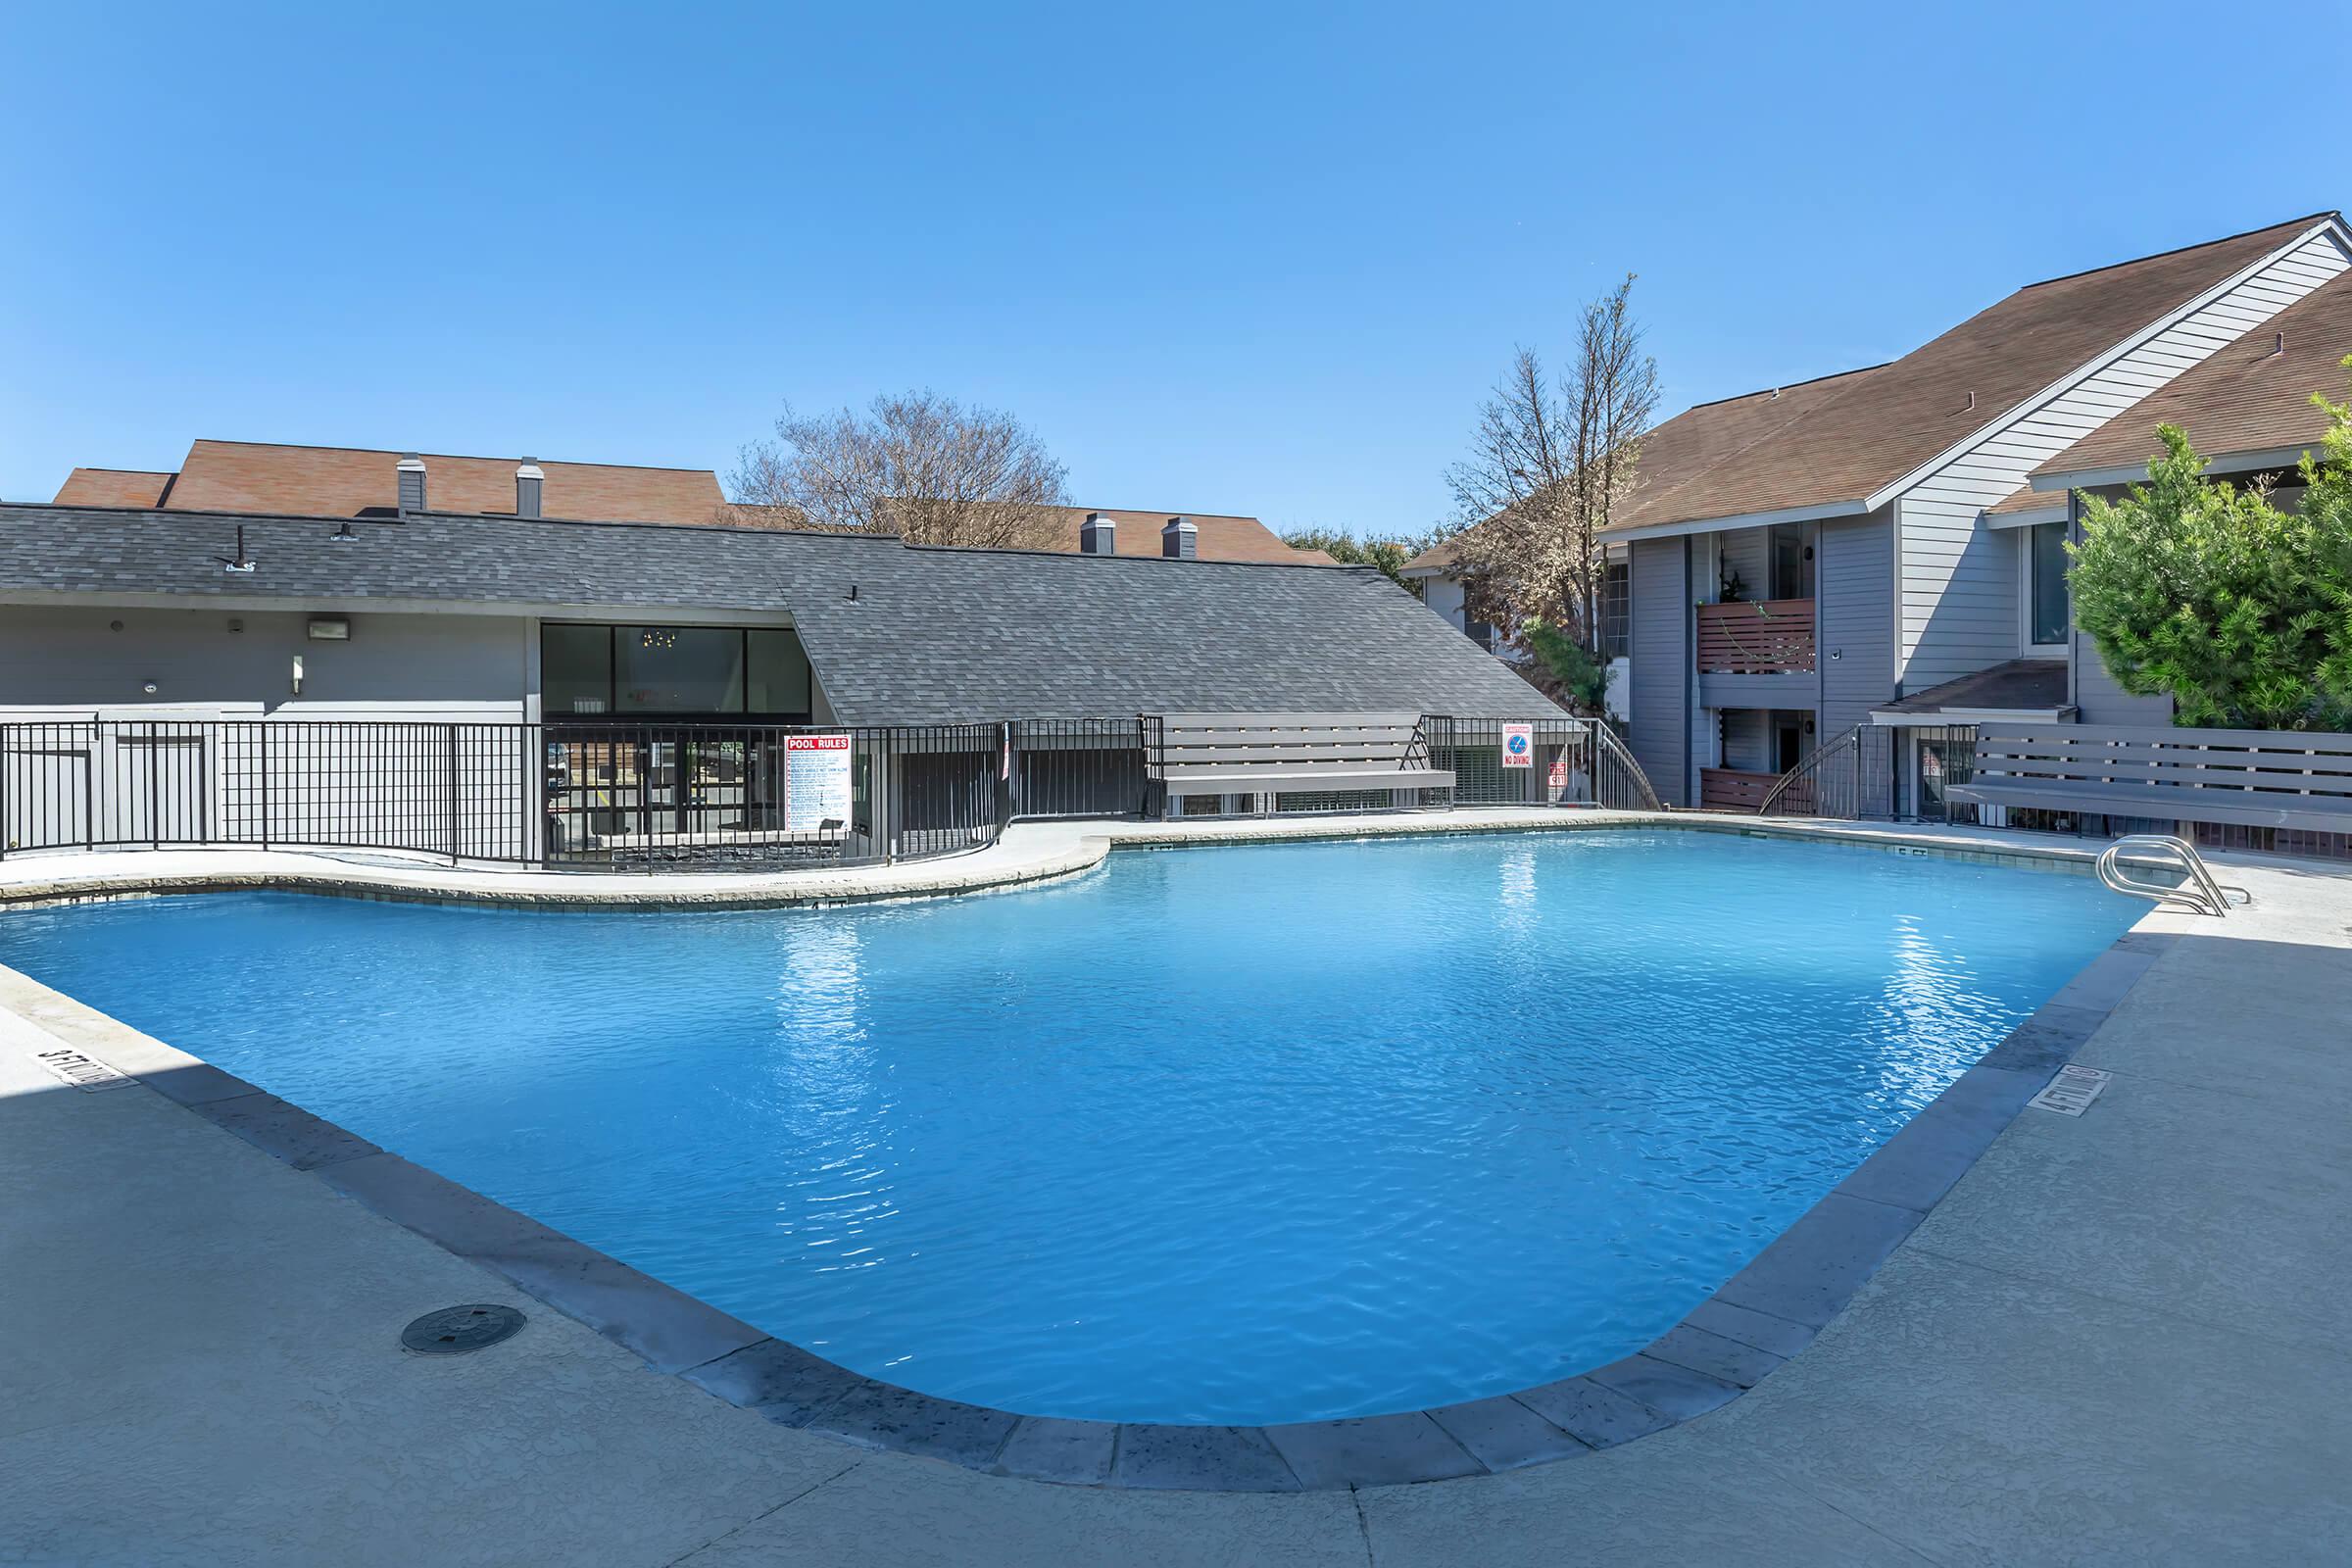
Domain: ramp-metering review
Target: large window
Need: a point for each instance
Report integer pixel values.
(2045, 584)
(1616, 608)
(682, 670)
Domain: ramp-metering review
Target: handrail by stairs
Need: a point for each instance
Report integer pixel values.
(2198, 893)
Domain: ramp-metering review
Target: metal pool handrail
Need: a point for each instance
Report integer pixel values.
(2199, 893)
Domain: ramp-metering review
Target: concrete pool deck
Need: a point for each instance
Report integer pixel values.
(2120, 1336)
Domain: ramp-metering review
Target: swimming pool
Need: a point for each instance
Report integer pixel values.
(1240, 1135)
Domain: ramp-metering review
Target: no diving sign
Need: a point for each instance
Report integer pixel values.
(1518, 745)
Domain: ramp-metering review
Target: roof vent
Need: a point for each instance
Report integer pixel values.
(412, 484)
(2280, 347)
(527, 482)
(1097, 535)
(1180, 540)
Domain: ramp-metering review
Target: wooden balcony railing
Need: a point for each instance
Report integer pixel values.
(1731, 788)
(1762, 637)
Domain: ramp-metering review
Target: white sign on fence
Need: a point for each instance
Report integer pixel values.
(1518, 745)
(817, 782)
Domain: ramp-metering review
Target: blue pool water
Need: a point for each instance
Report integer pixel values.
(1238, 1134)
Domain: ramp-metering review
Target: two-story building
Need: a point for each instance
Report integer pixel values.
(1885, 547)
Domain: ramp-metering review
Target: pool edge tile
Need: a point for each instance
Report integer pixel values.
(776, 1378)
(284, 1131)
(1062, 1451)
(1205, 1458)
(873, 1414)
(1715, 1356)
(665, 1327)
(1593, 1413)
(1375, 1451)
(1503, 1434)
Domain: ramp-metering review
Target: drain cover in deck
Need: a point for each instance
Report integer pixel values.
(454, 1330)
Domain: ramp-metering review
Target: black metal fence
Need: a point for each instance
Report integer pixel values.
(1568, 762)
(619, 796)
(1877, 772)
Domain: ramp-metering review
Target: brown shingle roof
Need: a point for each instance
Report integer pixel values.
(2023, 685)
(2028, 498)
(347, 481)
(1678, 452)
(1218, 537)
(112, 487)
(2253, 396)
(1874, 426)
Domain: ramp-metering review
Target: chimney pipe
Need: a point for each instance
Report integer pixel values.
(527, 481)
(412, 484)
(1180, 540)
(1099, 535)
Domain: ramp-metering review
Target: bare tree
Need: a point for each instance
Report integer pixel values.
(1550, 464)
(916, 464)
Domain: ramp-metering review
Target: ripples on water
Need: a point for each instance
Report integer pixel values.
(1239, 1135)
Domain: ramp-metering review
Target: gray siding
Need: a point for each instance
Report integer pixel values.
(1658, 729)
(1959, 581)
(395, 665)
(1747, 739)
(1856, 611)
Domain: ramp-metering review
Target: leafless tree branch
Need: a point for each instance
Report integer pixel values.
(916, 464)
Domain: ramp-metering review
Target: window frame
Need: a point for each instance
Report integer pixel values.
(2027, 605)
(611, 715)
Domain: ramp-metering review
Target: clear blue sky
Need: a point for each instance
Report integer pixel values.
(1252, 259)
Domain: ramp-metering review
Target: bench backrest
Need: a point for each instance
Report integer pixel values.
(1288, 740)
(2282, 769)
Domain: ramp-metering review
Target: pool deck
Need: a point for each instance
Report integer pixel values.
(2120, 1337)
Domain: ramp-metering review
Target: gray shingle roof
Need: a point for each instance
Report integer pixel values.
(932, 636)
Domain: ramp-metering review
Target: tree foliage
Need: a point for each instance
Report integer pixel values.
(1388, 555)
(2208, 593)
(1577, 675)
(916, 464)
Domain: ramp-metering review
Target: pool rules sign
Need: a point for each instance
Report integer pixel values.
(1518, 745)
(817, 782)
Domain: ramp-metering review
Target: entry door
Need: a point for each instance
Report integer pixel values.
(1935, 775)
(1788, 743)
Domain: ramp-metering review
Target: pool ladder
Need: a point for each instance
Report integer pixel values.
(2197, 892)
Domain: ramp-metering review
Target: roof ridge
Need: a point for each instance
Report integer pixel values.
(455, 457)
(1786, 386)
(2183, 250)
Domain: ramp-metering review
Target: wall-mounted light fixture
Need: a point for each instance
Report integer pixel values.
(298, 674)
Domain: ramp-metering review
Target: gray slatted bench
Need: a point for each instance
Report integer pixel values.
(2250, 778)
(1253, 754)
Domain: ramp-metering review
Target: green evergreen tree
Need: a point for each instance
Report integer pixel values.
(2207, 593)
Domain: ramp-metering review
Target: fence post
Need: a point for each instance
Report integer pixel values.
(453, 793)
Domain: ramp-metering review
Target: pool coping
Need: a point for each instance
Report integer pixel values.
(1031, 852)
(1751, 1325)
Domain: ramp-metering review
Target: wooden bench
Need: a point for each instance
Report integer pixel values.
(2251, 778)
(1253, 755)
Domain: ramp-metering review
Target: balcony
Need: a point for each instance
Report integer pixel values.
(1762, 637)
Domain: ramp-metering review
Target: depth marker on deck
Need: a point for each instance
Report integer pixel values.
(73, 1067)
(2071, 1093)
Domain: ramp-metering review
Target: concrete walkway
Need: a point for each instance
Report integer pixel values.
(2121, 1338)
